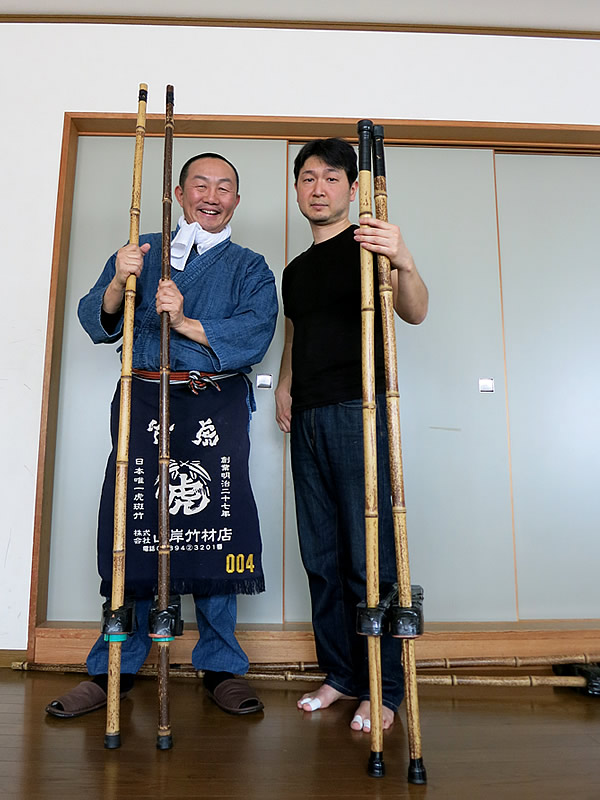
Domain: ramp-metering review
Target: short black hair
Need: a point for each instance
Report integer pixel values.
(186, 167)
(334, 152)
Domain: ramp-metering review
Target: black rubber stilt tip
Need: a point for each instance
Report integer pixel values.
(164, 742)
(416, 771)
(376, 768)
(112, 741)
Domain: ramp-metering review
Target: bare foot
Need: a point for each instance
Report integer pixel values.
(323, 697)
(362, 718)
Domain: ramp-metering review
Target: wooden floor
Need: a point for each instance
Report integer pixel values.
(479, 744)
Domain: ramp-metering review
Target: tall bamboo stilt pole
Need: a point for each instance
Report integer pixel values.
(376, 765)
(112, 738)
(164, 739)
(416, 770)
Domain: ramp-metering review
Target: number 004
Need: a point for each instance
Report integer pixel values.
(240, 563)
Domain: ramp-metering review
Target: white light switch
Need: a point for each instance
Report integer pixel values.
(486, 384)
(264, 381)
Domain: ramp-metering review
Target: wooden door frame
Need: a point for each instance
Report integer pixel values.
(67, 642)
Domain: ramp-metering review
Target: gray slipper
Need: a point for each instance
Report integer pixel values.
(83, 698)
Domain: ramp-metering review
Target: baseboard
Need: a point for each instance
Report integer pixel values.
(8, 657)
(56, 645)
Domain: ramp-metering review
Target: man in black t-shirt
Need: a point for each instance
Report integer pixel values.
(319, 401)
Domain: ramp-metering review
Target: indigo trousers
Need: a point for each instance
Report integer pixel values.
(328, 470)
(217, 648)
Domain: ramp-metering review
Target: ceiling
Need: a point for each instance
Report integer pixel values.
(551, 15)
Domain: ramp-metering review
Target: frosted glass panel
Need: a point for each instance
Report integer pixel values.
(454, 437)
(549, 211)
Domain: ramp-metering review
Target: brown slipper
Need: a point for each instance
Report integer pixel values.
(83, 698)
(235, 696)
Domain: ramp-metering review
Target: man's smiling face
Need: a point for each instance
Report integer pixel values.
(209, 195)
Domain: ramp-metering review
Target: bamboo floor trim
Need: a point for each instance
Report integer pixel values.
(310, 672)
(302, 667)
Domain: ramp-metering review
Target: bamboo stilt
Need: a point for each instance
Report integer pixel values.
(112, 738)
(164, 739)
(376, 765)
(416, 773)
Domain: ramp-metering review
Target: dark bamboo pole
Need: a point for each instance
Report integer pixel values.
(416, 770)
(112, 738)
(376, 765)
(164, 739)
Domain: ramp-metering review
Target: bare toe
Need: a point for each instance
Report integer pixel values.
(362, 718)
(309, 703)
(324, 696)
(357, 723)
(388, 717)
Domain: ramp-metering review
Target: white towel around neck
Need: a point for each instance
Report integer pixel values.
(190, 234)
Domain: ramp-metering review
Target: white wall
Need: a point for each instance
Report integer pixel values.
(50, 69)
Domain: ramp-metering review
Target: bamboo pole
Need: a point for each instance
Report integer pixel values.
(573, 681)
(112, 738)
(164, 740)
(517, 662)
(293, 672)
(416, 770)
(376, 765)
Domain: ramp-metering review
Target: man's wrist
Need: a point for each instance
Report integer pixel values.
(406, 266)
(181, 326)
(112, 299)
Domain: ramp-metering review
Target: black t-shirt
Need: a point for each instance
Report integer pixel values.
(321, 296)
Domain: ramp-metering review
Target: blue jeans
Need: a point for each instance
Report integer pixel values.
(217, 648)
(328, 470)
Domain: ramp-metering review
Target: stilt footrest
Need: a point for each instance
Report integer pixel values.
(117, 623)
(374, 621)
(407, 623)
(389, 617)
(166, 623)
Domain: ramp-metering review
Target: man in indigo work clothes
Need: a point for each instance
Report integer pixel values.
(222, 306)
(319, 401)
